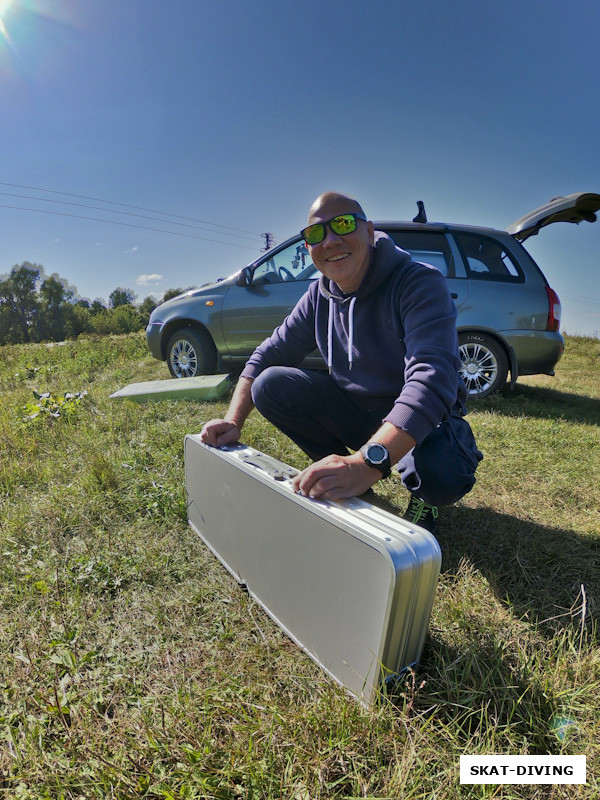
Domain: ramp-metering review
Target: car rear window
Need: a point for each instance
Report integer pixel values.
(426, 247)
(488, 259)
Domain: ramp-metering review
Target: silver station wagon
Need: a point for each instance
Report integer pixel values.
(508, 316)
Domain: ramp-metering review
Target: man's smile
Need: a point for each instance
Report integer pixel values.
(338, 257)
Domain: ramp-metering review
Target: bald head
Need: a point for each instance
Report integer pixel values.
(329, 204)
(343, 258)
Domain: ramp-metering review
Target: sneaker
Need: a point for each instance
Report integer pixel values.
(421, 513)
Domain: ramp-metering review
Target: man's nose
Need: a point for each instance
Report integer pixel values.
(330, 236)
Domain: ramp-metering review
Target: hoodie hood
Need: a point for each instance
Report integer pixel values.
(386, 257)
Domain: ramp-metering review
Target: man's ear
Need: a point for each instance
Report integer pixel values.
(371, 232)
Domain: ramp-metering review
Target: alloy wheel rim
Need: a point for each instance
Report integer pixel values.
(183, 359)
(479, 367)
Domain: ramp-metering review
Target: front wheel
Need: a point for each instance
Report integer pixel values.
(190, 353)
(484, 364)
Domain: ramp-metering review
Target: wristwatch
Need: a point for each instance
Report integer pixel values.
(376, 455)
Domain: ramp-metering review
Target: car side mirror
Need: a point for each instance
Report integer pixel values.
(244, 278)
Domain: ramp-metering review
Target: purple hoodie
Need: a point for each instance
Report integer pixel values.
(392, 344)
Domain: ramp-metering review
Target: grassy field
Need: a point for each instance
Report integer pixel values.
(131, 664)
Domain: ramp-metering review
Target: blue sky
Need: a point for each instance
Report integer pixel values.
(229, 117)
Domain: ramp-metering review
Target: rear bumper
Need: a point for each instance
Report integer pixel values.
(537, 352)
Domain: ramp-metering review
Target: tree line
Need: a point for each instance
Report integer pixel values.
(36, 308)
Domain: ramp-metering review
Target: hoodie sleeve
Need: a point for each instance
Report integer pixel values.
(431, 363)
(291, 342)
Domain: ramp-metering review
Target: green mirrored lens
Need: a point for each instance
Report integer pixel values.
(341, 225)
(314, 233)
(346, 223)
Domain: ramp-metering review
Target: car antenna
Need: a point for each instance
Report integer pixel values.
(421, 216)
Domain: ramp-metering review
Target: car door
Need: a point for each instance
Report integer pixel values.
(274, 285)
(436, 248)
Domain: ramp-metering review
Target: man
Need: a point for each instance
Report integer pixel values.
(386, 327)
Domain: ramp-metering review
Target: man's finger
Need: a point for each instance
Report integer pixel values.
(231, 435)
(217, 432)
(324, 485)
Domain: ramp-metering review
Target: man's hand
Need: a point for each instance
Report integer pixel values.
(335, 477)
(219, 432)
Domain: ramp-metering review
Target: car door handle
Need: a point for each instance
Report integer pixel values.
(454, 295)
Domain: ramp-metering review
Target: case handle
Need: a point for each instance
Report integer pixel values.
(277, 470)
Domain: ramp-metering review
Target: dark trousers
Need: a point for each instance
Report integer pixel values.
(322, 419)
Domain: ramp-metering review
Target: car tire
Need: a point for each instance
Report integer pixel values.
(191, 352)
(484, 364)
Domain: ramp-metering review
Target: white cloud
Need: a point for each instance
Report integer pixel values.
(147, 280)
(131, 249)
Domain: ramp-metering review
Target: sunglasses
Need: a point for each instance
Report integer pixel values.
(341, 225)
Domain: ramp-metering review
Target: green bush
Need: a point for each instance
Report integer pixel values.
(122, 319)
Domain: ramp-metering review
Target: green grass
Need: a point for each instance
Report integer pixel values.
(132, 665)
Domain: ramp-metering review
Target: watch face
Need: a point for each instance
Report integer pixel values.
(376, 453)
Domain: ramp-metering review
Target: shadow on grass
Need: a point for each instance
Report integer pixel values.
(485, 700)
(537, 570)
(541, 403)
(476, 686)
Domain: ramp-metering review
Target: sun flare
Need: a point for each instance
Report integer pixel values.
(4, 6)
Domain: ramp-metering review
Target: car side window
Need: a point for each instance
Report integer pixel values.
(427, 248)
(293, 263)
(488, 259)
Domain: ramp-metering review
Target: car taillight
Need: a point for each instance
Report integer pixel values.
(553, 321)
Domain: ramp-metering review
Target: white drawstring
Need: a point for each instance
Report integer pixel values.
(350, 333)
(330, 335)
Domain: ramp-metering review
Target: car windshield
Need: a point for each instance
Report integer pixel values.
(293, 263)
